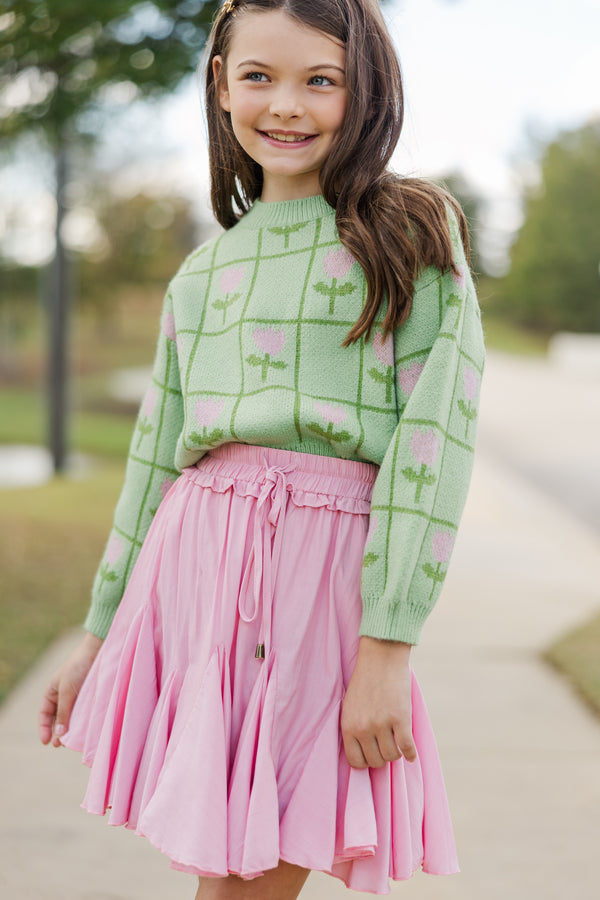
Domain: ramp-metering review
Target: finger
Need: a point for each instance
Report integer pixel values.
(354, 753)
(371, 752)
(387, 746)
(66, 699)
(47, 713)
(406, 744)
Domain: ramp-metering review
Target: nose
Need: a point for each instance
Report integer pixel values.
(286, 103)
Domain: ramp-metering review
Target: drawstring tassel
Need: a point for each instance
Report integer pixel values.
(259, 653)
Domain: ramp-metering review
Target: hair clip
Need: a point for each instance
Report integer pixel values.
(228, 7)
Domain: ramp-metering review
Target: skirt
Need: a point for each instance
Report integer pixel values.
(211, 715)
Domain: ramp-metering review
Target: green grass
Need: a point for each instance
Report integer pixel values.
(53, 538)
(577, 656)
(501, 334)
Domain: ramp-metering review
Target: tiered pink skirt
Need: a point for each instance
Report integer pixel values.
(211, 716)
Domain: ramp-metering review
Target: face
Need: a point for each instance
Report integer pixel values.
(285, 89)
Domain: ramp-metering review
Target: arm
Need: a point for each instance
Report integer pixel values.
(417, 501)
(150, 472)
(421, 488)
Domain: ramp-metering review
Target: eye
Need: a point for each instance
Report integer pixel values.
(255, 76)
(320, 80)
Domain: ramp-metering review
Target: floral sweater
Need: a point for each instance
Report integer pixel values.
(250, 351)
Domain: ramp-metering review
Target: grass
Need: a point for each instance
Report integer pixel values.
(53, 538)
(577, 656)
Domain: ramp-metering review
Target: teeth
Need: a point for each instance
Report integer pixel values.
(287, 138)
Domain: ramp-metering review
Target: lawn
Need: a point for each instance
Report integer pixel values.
(53, 538)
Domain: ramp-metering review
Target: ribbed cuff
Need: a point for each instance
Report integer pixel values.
(99, 619)
(398, 622)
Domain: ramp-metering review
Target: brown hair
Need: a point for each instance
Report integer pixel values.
(392, 226)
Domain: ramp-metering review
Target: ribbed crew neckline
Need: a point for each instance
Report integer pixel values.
(286, 212)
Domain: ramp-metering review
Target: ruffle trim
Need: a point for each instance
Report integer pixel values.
(299, 496)
(162, 765)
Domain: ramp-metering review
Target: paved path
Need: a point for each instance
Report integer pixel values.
(521, 754)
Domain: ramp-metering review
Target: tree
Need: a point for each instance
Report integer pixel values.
(553, 282)
(58, 59)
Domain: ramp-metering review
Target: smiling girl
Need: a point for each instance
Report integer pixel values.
(293, 488)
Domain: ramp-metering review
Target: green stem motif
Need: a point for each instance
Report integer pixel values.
(144, 428)
(226, 303)
(286, 230)
(106, 575)
(436, 575)
(333, 291)
(265, 363)
(469, 412)
(387, 379)
(207, 438)
(331, 436)
(420, 478)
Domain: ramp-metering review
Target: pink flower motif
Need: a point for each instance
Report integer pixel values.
(165, 487)
(179, 345)
(207, 410)
(168, 326)
(230, 279)
(372, 529)
(338, 263)
(443, 543)
(459, 276)
(149, 402)
(114, 550)
(384, 348)
(424, 446)
(333, 414)
(471, 383)
(407, 378)
(268, 340)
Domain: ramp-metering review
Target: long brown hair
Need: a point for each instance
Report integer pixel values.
(394, 227)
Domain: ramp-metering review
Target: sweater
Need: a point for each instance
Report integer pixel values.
(250, 350)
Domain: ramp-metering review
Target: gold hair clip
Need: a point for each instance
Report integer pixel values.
(228, 7)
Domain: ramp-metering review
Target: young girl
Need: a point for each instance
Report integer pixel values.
(293, 488)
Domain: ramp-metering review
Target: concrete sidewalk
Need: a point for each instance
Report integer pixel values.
(521, 754)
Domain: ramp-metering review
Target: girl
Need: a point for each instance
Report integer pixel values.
(293, 488)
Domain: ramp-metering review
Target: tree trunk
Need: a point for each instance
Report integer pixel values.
(58, 327)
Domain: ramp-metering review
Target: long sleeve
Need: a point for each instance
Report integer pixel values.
(422, 484)
(149, 474)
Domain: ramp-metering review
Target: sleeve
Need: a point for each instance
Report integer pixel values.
(421, 487)
(149, 474)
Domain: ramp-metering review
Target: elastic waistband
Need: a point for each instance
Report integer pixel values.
(304, 471)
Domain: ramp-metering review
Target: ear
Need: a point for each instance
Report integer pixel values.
(221, 83)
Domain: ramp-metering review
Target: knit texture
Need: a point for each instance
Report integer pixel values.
(250, 351)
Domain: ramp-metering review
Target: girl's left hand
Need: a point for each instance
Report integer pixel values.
(376, 713)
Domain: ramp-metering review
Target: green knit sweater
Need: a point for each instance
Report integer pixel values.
(250, 351)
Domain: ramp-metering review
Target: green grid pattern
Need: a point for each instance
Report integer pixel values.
(250, 351)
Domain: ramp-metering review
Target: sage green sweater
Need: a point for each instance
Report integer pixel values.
(250, 351)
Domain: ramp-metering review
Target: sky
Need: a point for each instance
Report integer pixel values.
(484, 79)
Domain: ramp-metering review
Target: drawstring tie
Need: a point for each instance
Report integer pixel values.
(264, 554)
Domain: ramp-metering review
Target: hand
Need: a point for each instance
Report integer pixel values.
(376, 713)
(63, 689)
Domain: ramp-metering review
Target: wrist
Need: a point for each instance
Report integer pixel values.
(396, 650)
(92, 642)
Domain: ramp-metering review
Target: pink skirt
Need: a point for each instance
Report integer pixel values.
(211, 716)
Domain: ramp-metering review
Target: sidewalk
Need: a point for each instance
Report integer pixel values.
(521, 755)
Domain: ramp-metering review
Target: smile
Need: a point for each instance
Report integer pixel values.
(277, 138)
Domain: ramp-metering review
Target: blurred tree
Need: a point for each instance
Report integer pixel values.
(471, 203)
(554, 279)
(58, 60)
(142, 241)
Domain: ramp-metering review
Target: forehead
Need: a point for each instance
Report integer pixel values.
(277, 38)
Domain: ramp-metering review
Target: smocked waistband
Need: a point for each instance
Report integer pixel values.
(304, 471)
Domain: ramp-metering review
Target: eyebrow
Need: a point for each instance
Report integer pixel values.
(263, 65)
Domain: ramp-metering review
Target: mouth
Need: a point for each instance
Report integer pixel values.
(287, 138)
